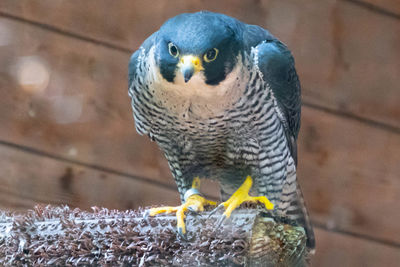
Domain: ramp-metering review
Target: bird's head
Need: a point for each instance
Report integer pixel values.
(198, 44)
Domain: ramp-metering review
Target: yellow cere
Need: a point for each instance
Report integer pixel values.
(191, 60)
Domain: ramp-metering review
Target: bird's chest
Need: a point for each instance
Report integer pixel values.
(230, 138)
(215, 141)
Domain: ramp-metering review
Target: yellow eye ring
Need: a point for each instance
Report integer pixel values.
(211, 55)
(173, 50)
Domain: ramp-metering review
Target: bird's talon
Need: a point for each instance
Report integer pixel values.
(242, 195)
(194, 204)
(221, 221)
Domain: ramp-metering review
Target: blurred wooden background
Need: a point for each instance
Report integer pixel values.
(67, 134)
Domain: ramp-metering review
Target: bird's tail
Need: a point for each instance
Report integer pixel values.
(293, 208)
(305, 221)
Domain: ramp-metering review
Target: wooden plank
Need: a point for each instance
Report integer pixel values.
(335, 249)
(345, 60)
(392, 6)
(84, 113)
(358, 165)
(83, 109)
(349, 172)
(27, 179)
(142, 17)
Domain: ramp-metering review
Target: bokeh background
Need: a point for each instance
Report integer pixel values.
(67, 134)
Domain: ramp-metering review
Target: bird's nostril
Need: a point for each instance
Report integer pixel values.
(182, 60)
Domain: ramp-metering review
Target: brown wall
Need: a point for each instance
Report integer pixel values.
(67, 133)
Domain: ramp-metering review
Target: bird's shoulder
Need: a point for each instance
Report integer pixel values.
(277, 66)
(276, 63)
(136, 56)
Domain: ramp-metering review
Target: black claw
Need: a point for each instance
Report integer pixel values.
(215, 210)
(193, 212)
(220, 221)
(183, 236)
(146, 214)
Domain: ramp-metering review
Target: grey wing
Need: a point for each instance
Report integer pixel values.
(135, 80)
(133, 62)
(277, 66)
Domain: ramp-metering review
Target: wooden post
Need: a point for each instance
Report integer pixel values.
(60, 235)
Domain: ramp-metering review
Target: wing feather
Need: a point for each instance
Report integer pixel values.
(277, 66)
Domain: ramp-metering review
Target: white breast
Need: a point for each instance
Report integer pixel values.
(196, 98)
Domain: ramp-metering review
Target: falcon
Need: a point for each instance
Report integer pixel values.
(221, 98)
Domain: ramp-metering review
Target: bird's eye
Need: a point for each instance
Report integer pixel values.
(173, 50)
(211, 55)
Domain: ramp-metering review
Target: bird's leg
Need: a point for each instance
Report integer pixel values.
(242, 195)
(194, 201)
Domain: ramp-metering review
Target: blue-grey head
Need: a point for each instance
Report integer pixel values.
(199, 43)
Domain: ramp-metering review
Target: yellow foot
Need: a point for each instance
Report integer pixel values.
(242, 195)
(194, 202)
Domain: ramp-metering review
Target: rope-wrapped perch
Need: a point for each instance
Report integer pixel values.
(64, 236)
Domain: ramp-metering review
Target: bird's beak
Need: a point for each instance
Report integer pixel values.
(189, 65)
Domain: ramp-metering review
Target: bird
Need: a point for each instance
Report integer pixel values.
(222, 99)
